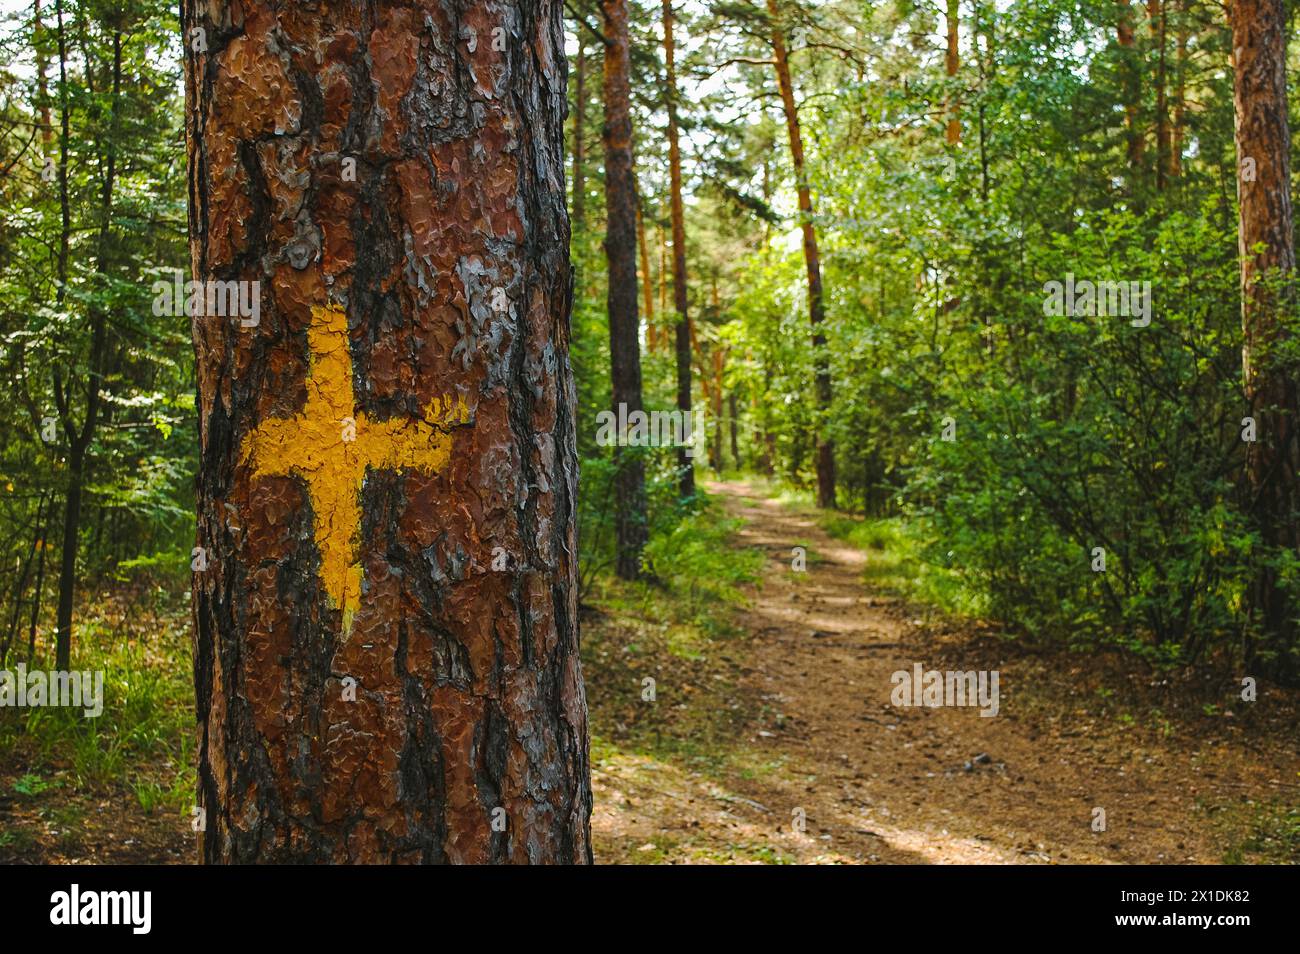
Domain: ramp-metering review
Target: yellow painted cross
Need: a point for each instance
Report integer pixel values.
(331, 445)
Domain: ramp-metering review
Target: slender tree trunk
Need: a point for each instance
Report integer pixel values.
(579, 134)
(982, 42)
(20, 584)
(647, 285)
(767, 440)
(386, 634)
(1267, 249)
(717, 361)
(71, 506)
(81, 438)
(733, 413)
(816, 305)
(663, 266)
(706, 386)
(1182, 30)
(39, 588)
(1159, 35)
(65, 212)
(630, 527)
(952, 62)
(42, 81)
(68, 561)
(1132, 85)
(719, 357)
(681, 304)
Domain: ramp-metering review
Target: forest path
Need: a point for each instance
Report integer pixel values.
(879, 783)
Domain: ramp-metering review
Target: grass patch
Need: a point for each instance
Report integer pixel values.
(147, 715)
(744, 853)
(137, 751)
(695, 563)
(658, 654)
(16, 842)
(1271, 834)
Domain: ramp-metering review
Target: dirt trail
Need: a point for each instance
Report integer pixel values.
(879, 783)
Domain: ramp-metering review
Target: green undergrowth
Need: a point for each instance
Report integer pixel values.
(143, 738)
(1264, 832)
(661, 655)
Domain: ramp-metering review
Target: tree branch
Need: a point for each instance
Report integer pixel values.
(583, 20)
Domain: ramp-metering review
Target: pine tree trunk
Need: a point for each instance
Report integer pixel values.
(682, 337)
(630, 527)
(812, 259)
(386, 639)
(1156, 15)
(1259, 33)
(1131, 79)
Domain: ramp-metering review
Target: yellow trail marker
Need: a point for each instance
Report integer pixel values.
(331, 445)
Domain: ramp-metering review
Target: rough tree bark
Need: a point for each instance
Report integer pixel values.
(386, 639)
(812, 259)
(630, 527)
(1267, 249)
(682, 329)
